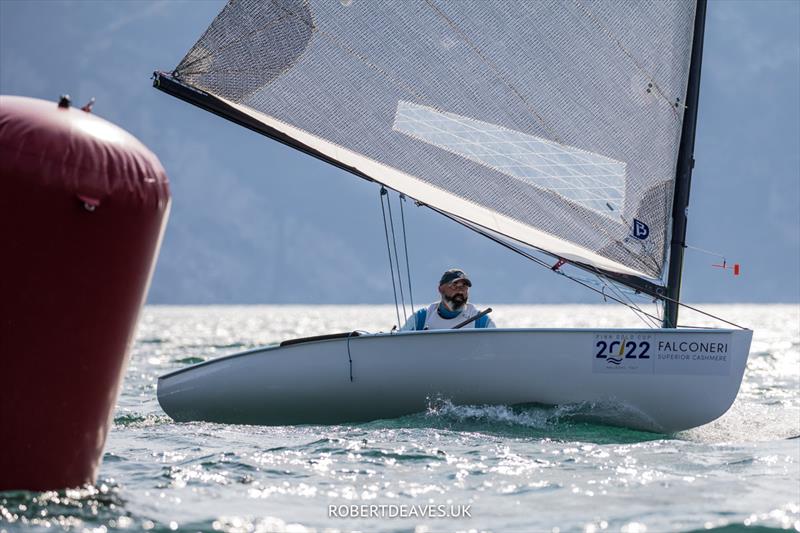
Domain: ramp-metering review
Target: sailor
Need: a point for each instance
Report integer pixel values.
(452, 309)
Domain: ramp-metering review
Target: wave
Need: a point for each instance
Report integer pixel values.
(574, 422)
(739, 527)
(136, 420)
(599, 422)
(747, 421)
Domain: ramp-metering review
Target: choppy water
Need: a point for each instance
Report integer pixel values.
(530, 469)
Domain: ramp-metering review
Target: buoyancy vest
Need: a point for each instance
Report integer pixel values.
(429, 318)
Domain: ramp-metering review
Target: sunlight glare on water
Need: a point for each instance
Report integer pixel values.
(517, 468)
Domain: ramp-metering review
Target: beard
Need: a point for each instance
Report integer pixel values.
(456, 301)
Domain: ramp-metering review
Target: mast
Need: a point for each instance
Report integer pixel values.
(683, 175)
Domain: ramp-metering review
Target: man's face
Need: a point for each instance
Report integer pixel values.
(455, 294)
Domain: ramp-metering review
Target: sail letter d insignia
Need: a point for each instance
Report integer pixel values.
(640, 230)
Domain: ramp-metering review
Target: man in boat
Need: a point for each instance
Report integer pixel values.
(453, 307)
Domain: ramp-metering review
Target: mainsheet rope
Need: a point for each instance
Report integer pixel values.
(389, 250)
(405, 246)
(396, 258)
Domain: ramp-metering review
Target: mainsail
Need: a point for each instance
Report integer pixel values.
(553, 123)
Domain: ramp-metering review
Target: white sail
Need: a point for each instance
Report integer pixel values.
(552, 123)
(555, 123)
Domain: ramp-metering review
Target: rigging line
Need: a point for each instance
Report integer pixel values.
(405, 245)
(665, 298)
(614, 298)
(534, 259)
(488, 63)
(630, 55)
(640, 314)
(702, 250)
(349, 356)
(658, 312)
(634, 305)
(696, 310)
(388, 249)
(396, 257)
(579, 282)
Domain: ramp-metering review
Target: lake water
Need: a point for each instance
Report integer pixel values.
(484, 468)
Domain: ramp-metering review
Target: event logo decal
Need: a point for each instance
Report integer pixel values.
(623, 352)
(660, 353)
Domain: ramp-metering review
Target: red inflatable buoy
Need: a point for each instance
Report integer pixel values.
(83, 205)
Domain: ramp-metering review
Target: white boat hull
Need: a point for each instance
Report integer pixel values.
(658, 380)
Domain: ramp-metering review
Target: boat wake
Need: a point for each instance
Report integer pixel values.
(605, 422)
(590, 422)
(533, 416)
(609, 413)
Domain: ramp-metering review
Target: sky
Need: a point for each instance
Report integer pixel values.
(253, 221)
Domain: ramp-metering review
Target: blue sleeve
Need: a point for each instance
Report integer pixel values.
(484, 322)
(415, 322)
(422, 314)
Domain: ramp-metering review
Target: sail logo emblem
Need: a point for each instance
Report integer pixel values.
(640, 230)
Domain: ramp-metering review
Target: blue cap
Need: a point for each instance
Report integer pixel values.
(454, 274)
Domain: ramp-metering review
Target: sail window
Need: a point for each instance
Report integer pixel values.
(588, 179)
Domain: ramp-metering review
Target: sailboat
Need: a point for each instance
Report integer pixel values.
(561, 127)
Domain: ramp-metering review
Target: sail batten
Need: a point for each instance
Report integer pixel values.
(554, 123)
